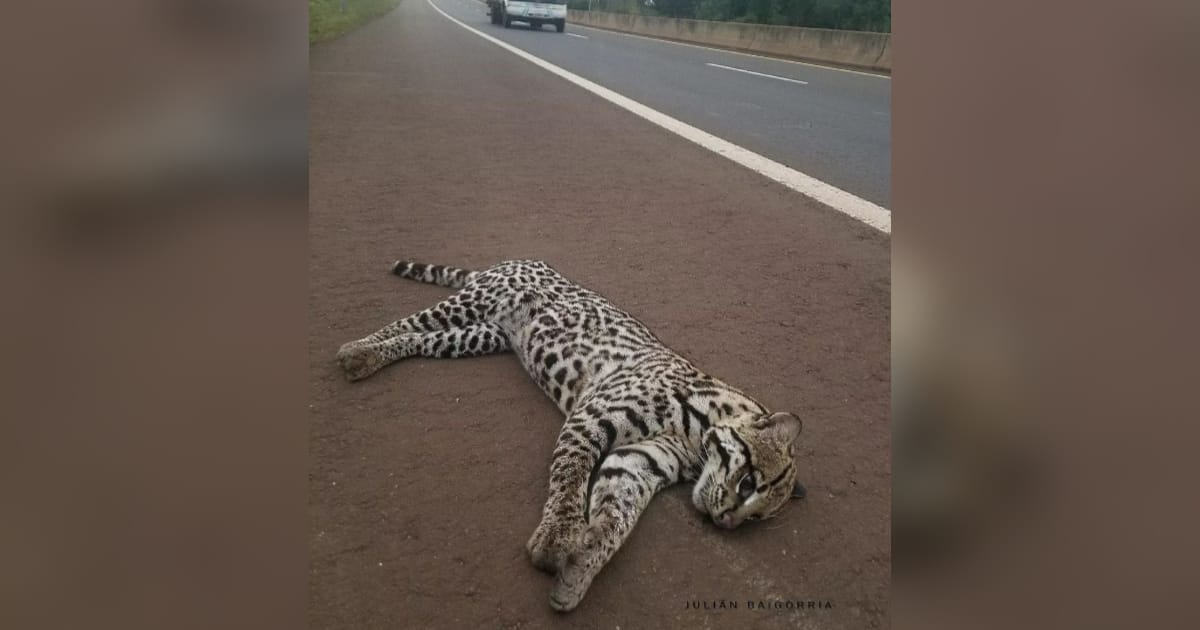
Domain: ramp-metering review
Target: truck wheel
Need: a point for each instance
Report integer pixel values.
(560, 26)
(535, 26)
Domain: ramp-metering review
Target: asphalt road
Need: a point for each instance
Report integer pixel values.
(836, 127)
(427, 478)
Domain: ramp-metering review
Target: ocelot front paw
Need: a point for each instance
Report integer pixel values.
(550, 544)
(359, 361)
(573, 581)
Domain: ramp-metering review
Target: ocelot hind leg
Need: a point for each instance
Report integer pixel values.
(364, 359)
(460, 309)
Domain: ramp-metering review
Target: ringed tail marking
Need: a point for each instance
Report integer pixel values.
(441, 275)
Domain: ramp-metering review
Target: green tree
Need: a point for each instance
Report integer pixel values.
(855, 15)
(676, 8)
(716, 10)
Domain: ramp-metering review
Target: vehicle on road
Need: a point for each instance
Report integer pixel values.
(535, 14)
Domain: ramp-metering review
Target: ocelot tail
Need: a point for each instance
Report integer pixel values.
(639, 417)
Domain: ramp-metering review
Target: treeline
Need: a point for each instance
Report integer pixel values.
(851, 15)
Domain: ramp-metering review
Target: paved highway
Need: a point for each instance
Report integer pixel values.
(835, 126)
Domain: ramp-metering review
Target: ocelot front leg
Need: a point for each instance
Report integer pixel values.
(362, 360)
(628, 478)
(586, 436)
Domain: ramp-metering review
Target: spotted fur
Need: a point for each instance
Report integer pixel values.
(639, 417)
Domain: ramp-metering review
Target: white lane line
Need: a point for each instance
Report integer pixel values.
(873, 215)
(579, 36)
(757, 74)
(734, 52)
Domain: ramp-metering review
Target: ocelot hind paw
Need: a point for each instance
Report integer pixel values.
(359, 362)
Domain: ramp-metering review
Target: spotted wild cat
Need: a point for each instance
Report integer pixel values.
(639, 417)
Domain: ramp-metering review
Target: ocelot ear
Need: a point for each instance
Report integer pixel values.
(780, 426)
(799, 491)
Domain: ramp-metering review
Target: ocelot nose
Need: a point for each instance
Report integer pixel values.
(725, 520)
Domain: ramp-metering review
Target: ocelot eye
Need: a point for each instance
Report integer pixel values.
(746, 486)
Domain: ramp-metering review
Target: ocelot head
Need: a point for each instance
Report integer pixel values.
(749, 470)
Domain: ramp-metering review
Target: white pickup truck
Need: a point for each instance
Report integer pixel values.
(535, 14)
